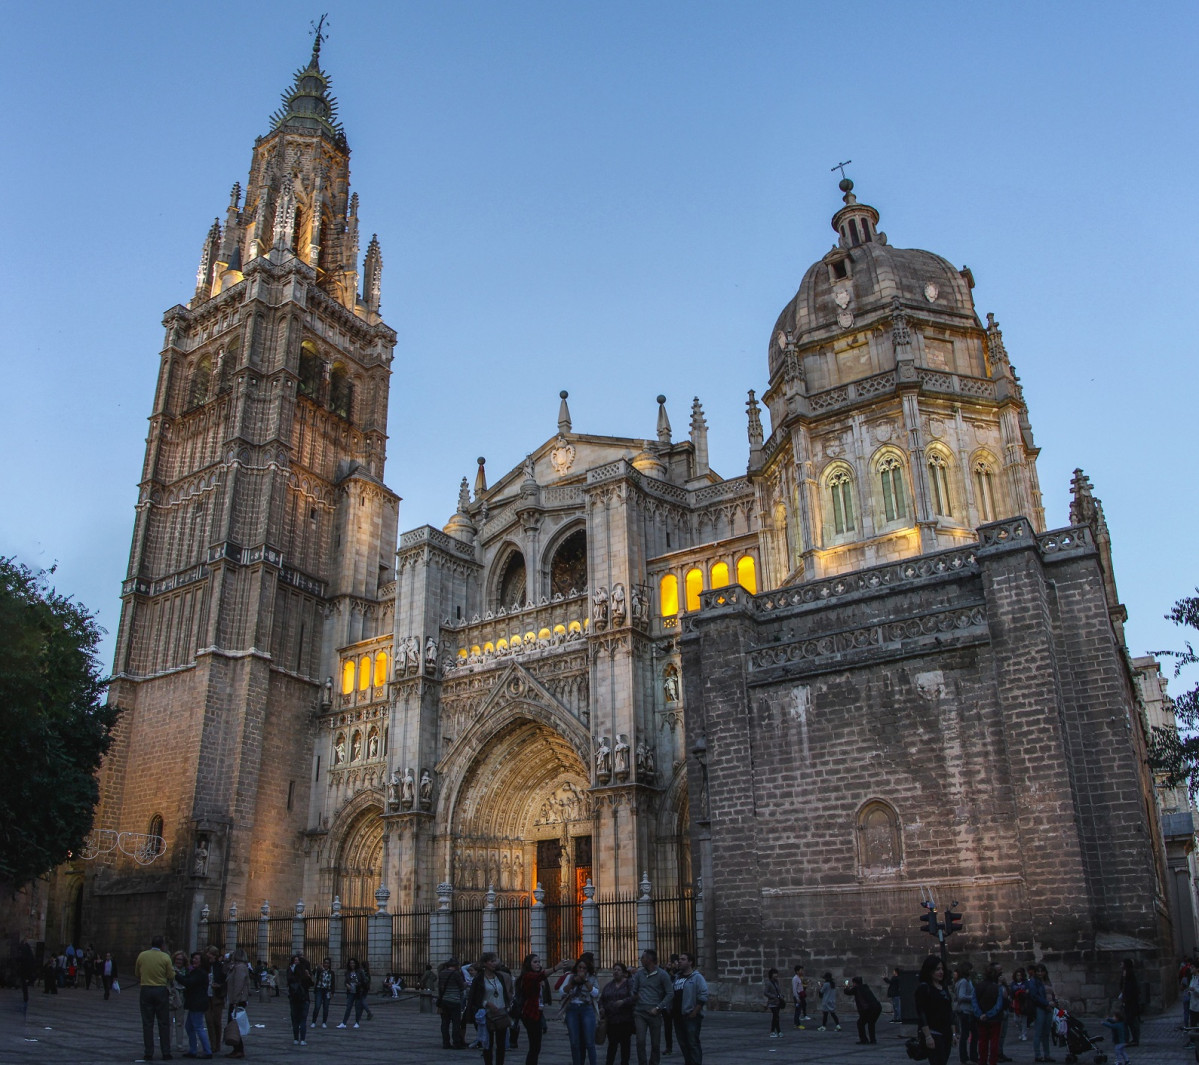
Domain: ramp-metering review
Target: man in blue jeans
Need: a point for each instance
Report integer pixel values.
(690, 997)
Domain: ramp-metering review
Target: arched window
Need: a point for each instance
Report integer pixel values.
(747, 574)
(719, 575)
(201, 380)
(156, 844)
(693, 584)
(984, 490)
(347, 676)
(668, 596)
(364, 673)
(340, 390)
(310, 371)
(890, 472)
(938, 480)
(840, 488)
(880, 844)
(380, 669)
(568, 571)
(511, 590)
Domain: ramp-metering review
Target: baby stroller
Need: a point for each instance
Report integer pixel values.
(1078, 1042)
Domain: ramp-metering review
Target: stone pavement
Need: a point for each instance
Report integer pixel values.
(80, 1028)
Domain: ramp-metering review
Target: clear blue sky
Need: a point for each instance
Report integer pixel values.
(615, 199)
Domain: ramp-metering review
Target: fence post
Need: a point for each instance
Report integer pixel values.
(202, 934)
(537, 936)
(701, 946)
(298, 942)
(231, 929)
(646, 934)
(491, 922)
(441, 926)
(335, 932)
(378, 942)
(590, 919)
(264, 932)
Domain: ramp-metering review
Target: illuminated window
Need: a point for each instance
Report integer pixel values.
(720, 575)
(890, 472)
(747, 574)
(938, 479)
(500, 645)
(559, 630)
(380, 669)
(364, 673)
(489, 647)
(693, 584)
(984, 490)
(347, 677)
(668, 596)
(840, 486)
(543, 634)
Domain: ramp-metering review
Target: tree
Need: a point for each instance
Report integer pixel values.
(1174, 753)
(54, 726)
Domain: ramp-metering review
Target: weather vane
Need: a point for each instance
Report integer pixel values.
(841, 167)
(317, 34)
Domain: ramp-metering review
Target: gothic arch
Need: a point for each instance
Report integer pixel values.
(356, 858)
(503, 581)
(879, 838)
(673, 832)
(840, 502)
(564, 567)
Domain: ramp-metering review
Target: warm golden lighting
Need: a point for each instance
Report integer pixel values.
(693, 584)
(347, 677)
(668, 596)
(380, 669)
(364, 673)
(747, 574)
(543, 634)
(720, 575)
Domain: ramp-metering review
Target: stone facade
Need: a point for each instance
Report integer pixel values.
(814, 684)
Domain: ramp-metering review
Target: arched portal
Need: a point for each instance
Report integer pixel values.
(358, 861)
(520, 812)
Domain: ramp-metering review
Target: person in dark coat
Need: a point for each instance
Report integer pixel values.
(868, 1009)
(194, 981)
(1130, 999)
(299, 982)
(934, 1011)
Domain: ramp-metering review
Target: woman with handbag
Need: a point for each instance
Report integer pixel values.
(579, 992)
(450, 988)
(616, 1014)
(532, 985)
(238, 994)
(355, 993)
(487, 1002)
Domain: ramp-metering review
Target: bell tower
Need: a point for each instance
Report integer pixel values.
(263, 539)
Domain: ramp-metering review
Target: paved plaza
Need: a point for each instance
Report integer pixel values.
(79, 1027)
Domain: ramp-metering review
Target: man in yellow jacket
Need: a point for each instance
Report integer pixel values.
(155, 973)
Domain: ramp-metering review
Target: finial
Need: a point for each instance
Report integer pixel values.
(698, 421)
(752, 411)
(563, 413)
(481, 478)
(844, 180)
(663, 422)
(463, 497)
(235, 195)
(317, 36)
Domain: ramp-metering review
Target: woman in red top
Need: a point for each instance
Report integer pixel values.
(529, 984)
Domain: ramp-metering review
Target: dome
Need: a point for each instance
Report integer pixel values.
(857, 282)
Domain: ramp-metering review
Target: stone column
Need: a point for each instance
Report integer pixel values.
(335, 933)
(590, 919)
(491, 922)
(297, 930)
(537, 931)
(202, 933)
(646, 932)
(264, 932)
(231, 928)
(441, 926)
(378, 944)
(701, 943)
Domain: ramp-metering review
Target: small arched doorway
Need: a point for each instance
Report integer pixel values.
(358, 861)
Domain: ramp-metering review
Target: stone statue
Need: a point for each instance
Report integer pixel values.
(618, 607)
(411, 653)
(426, 789)
(339, 750)
(650, 766)
(200, 860)
(670, 684)
(641, 749)
(517, 871)
(431, 654)
(603, 759)
(393, 792)
(356, 747)
(407, 789)
(530, 469)
(640, 606)
(372, 746)
(599, 609)
(622, 757)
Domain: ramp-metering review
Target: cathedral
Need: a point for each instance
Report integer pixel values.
(859, 671)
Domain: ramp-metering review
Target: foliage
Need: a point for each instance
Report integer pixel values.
(54, 726)
(1174, 753)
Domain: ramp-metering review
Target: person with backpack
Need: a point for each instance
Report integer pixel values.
(299, 982)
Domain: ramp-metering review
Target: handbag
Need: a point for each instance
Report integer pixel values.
(498, 1021)
(231, 1036)
(601, 1031)
(116, 987)
(916, 1049)
(242, 1019)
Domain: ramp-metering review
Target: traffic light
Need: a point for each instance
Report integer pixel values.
(928, 920)
(953, 922)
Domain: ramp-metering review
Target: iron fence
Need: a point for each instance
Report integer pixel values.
(410, 944)
(316, 939)
(354, 939)
(514, 940)
(674, 923)
(563, 931)
(617, 931)
(279, 942)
